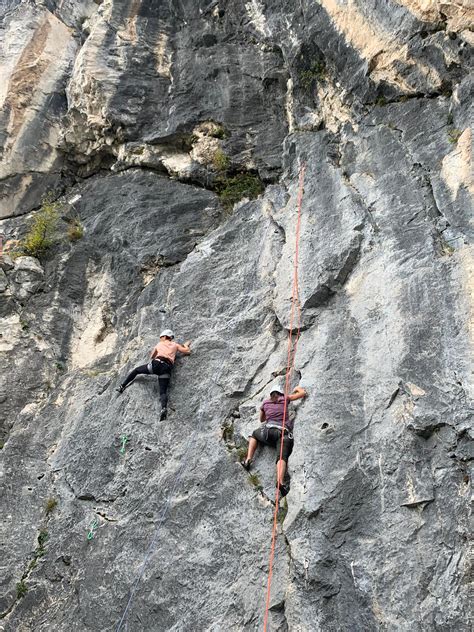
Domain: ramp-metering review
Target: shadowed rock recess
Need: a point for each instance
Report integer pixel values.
(148, 121)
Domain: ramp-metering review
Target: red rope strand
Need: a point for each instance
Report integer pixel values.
(290, 363)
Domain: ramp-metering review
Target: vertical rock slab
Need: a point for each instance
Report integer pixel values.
(33, 80)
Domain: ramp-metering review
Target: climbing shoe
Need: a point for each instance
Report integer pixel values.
(283, 490)
(246, 464)
(164, 414)
(120, 389)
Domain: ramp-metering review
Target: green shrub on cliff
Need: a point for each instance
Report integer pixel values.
(220, 160)
(42, 234)
(316, 72)
(243, 185)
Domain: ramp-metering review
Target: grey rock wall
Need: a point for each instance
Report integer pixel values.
(375, 100)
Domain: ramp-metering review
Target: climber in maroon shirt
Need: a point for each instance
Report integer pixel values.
(269, 433)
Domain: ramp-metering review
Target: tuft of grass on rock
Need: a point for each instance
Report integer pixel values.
(220, 160)
(51, 504)
(317, 71)
(255, 480)
(42, 538)
(233, 189)
(33, 564)
(241, 452)
(219, 131)
(75, 230)
(43, 231)
(21, 589)
(282, 510)
(454, 135)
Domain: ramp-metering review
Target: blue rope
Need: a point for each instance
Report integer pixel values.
(151, 546)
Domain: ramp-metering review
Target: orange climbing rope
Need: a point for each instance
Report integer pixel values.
(291, 354)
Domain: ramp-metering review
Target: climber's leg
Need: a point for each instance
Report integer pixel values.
(164, 382)
(139, 370)
(281, 464)
(253, 444)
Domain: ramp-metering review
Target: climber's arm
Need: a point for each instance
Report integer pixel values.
(185, 348)
(298, 393)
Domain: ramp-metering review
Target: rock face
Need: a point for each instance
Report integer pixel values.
(138, 116)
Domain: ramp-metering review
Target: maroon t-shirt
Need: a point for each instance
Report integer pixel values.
(274, 412)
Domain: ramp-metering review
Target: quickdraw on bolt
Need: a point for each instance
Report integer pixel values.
(124, 440)
(92, 529)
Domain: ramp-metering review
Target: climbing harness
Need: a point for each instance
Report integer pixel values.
(291, 354)
(150, 550)
(124, 440)
(92, 529)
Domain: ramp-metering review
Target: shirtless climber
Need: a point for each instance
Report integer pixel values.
(161, 364)
(271, 415)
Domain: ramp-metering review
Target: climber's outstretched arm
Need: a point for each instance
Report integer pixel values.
(298, 393)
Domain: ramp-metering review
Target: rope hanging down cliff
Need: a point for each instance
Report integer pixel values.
(291, 354)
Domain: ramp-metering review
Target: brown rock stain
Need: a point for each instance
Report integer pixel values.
(130, 30)
(456, 169)
(26, 77)
(381, 49)
(459, 13)
(163, 57)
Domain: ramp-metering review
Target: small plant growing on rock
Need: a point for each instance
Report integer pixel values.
(232, 190)
(21, 589)
(220, 160)
(75, 230)
(282, 511)
(241, 452)
(40, 549)
(42, 233)
(219, 131)
(454, 135)
(43, 536)
(51, 504)
(255, 481)
(381, 101)
(317, 71)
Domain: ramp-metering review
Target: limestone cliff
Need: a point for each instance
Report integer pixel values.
(141, 117)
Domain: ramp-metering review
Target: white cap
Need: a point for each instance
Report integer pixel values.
(278, 387)
(168, 333)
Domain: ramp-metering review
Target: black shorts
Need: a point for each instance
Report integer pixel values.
(272, 436)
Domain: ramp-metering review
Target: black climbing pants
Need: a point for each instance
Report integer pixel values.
(162, 369)
(272, 436)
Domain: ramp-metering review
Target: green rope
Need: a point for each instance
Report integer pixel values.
(124, 440)
(92, 529)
